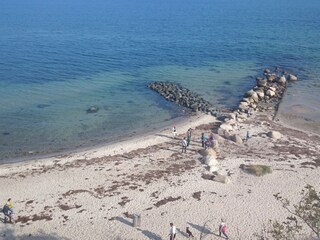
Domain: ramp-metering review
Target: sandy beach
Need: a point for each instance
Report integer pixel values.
(93, 194)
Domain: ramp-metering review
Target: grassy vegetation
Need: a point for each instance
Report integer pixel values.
(256, 169)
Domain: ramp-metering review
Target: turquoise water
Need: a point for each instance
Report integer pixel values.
(58, 58)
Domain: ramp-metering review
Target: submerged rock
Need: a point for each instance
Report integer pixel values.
(292, 77)
(92, 109)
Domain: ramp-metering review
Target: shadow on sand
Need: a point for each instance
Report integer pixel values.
(8, 233)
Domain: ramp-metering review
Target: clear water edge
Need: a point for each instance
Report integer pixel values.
(60, 57)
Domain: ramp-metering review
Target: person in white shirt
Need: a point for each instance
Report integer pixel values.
(174, 131)
(173, 231)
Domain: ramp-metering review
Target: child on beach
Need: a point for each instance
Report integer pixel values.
(223, 229)
(174, 131)
(8, 210)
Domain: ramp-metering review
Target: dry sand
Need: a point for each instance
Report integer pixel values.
(93, 194)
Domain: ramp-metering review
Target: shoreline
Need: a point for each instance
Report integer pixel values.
(94, 193)
(142, 140)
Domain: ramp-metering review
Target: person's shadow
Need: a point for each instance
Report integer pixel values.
(202, 229)
(151, 235)
(147, 233)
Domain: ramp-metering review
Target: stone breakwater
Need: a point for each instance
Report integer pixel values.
(264, 97)
(182, 96)
(268, 92)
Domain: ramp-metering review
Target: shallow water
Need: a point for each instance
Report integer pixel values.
(58, 58)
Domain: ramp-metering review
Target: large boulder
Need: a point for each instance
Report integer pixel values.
(260, 94)
(274, 134)
(261, 82)
(282, 80)
(271, 77)
(232, 116)
(272, 89)
(211, 152)
(226, 127)
(213, 168)
(221, 178)
(255, 97)
(292, 77)
(246, 100)
(250, 93)
(236, 138)
(210, 161)
(270, 93)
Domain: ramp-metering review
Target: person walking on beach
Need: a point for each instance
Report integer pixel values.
(223, 229)
(174, 131)
(203, 140)
(172, 232)
(189, 137)
(8, 210)
(188, 140)
(248, 136)
(209, 142)
(184, 145)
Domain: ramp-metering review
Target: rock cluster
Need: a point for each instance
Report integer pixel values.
(210, 159)
(182, 96)
(265, 95)
(269, 89)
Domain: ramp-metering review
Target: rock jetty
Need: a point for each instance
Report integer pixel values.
(265, 96)
(182, 96)
(268, 91)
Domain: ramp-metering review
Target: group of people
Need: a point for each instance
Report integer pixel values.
(222, 230)
(8, 211)
(185, 143)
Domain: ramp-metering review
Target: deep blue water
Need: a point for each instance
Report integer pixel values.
(57, 58)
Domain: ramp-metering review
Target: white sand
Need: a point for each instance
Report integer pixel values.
(88, 195)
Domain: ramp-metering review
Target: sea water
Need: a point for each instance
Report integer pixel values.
(59, 58)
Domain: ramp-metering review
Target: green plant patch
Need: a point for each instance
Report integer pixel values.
(256, 169)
